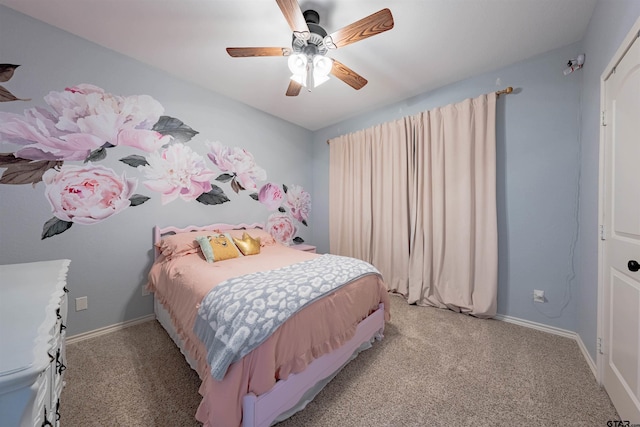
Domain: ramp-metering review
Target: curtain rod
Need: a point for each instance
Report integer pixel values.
(505, 91)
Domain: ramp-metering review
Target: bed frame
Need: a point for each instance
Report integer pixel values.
(291, 395)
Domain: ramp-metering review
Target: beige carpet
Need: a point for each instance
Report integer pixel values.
(434, 368)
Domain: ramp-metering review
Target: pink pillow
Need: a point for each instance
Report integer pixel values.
(181, 244)
(265, 238)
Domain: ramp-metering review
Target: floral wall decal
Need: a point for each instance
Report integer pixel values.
(62, 144)
(280, 225)
(177, 171)
(239, 165)
(271, 196)
(299, 203)
(86, 194)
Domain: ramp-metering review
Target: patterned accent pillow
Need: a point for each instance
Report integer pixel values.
(218, 247)
(247, 244)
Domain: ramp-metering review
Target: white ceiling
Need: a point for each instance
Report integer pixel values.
(433, 43)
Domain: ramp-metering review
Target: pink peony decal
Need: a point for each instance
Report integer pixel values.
(89, 109)
(145, 140)
(84, 118)
(177, 172)
(299, 202)
(37, 133)
(271, 195)
(239, 164)
(281, 227)
(87, 194)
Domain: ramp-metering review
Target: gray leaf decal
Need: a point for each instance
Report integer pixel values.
(225, 177)
(254, 196)
(236, 186)
(138, 199)
(24, 171)
(176, 128)
(134, 160)
(96, 155)
(6, 71)
(298, 240)
(55, 226)
(214, 197)
(6, 96)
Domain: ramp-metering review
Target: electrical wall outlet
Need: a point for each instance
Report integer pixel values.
(538, 295)
(145, 291)
(81, 303)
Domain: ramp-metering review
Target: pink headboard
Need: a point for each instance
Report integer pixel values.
(158, 231)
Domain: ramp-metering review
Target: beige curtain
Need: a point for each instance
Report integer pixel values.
(416, 198)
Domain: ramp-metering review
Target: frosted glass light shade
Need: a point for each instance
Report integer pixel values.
(322, 65)
(318, 79)
(297, 63)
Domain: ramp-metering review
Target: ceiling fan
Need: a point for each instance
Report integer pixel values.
(307, 60)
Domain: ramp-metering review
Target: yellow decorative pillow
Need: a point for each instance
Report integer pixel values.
(218, 247)
(248, 245)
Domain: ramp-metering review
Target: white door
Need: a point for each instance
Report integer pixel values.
(621, 247)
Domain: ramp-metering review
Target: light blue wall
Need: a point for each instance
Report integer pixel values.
(547, 138)
(610, 24)
(538, 163)
(110, 260)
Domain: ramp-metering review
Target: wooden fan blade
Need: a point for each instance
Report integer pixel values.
(347, 75)
(377, 23)
(294, 88)
(293, 14)
(240, 52)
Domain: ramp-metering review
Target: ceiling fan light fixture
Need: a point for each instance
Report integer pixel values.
(318, 79)
(297, 63)
(322, 65)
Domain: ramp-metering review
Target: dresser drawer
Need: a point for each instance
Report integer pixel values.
(41, 391)
(33, 319)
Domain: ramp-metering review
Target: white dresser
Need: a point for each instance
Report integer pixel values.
(33, 317)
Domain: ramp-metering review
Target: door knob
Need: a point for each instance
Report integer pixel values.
(633, 265)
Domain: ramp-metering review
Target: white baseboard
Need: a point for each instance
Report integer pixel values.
(587, 356)
(108, 329)
(509, 319)
(555, 331)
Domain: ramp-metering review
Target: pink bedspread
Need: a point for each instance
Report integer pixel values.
(180, 284)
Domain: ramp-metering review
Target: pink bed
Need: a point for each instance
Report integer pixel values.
(312, 345)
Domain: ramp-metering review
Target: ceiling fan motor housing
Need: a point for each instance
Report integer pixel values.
(311, 16)
(315, 44)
